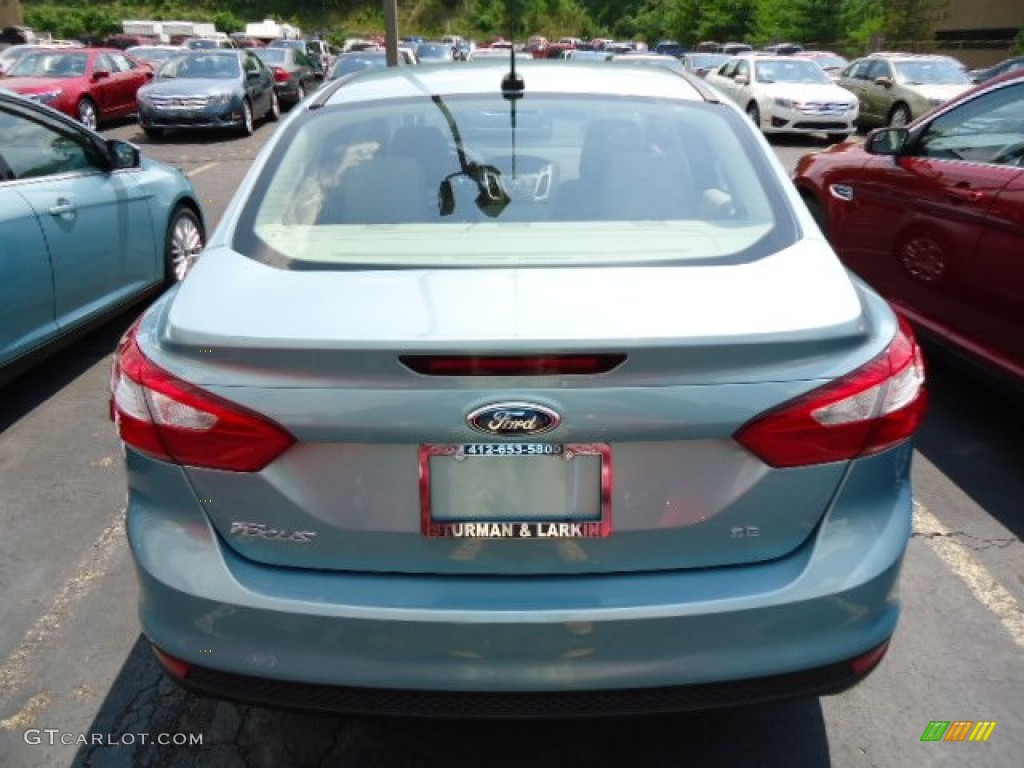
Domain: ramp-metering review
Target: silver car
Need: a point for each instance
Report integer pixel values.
(517, 394)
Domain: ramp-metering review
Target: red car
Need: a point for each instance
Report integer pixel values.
(932, 216)
(89, 84)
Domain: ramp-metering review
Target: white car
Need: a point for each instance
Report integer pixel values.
(786, 94)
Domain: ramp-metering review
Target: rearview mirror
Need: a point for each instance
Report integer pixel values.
(122, 154)
(886, 141)
(100, 74)
(741, 79)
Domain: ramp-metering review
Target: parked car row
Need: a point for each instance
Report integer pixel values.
(167, 87)
(795, 94)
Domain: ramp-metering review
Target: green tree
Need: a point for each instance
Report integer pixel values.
(912, 19)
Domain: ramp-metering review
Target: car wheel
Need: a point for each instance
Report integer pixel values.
(300, 93)
(838, 138)
(274, 113)
(87, 113)
(246, 126)
(754, 113)
(153, 133)
(185, 239)
(899, 116)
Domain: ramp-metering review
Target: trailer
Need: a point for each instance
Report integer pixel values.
(268, 29)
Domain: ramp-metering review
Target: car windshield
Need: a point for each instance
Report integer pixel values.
(49, 64)
(350, 63)
(669, 62)
(930, 72)
(202, 66)
(790, 70)
(272, 55)
(830, 62)
(433, 51)
(152, 55)
(706, 60)
(480, 181)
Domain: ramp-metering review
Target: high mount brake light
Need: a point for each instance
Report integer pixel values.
(511, 365)
(862, 413)
(170, 419)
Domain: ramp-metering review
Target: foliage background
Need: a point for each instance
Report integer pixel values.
(842, 23)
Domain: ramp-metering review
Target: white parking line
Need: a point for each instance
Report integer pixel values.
(95, 565)
(979, 581)
(200, 169)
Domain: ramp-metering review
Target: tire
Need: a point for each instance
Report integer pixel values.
(184, 240)
(754, 114)
(87, 113)
(300, 92)
(153, 133)
(899, 115)
(246, 128)
(274, 113)
(837, 138)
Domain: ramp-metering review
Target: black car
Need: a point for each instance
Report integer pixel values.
(294, 75)
(308, 48)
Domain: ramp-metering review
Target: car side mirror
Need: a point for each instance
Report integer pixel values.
(741, 79)
(100, 74)
(122, 154)
(887, 141)
(885, 82)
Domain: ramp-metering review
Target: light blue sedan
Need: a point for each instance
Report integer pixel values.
(87, 227)
(532, 393)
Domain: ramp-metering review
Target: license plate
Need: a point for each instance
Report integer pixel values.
(515, 490)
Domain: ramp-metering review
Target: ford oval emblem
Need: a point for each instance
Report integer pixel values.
(513, 419)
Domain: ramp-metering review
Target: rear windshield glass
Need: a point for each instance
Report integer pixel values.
(544, 180)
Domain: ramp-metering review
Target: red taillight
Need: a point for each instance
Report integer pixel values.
(868, 661)
(280, 75)
(511, 365)
(175, 667)
(175, 421)
(866, 411)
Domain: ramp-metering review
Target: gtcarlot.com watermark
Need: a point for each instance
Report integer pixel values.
(55, 736)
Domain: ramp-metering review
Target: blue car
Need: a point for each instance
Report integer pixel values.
(209, 89)
(87, 227)
(535, 393)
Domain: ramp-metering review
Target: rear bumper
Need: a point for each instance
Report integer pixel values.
(830, 679)
(678, 640)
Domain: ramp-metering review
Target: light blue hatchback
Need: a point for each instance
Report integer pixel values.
(518, 394)
(87, 227)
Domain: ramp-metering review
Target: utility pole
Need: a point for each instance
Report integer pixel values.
(391, 32)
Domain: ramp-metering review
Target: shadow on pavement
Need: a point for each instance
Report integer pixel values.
(143, 701)
(973, 433)
(48, 377)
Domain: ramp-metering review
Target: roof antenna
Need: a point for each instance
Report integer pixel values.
(512, 85)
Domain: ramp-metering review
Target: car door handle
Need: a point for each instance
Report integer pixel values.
(63, 207)
(962, 193)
